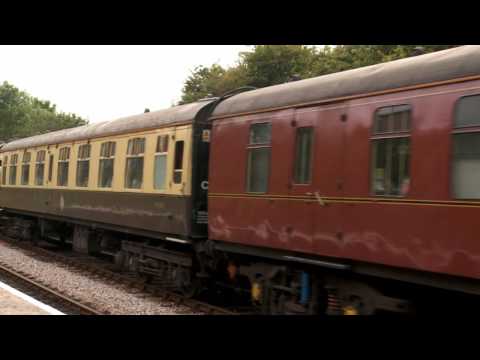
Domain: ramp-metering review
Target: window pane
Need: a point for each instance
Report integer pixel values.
(391, 159)
(178, 163)
(4, 175)
(258, 169)
(178, 155)
(105, 173)
(134, 175)
(50, 169)
(136, 146)
(83, 168)
(392, 119)
(41, 156)
(303, 155)
(39, 171)
(84, 151)
(468, 111)
(260, 133)
(162, 144)
(160, 172)
(466, 166)
(25, 174)
(62, 178)
(13, 175)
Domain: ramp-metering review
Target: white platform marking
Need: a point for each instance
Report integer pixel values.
(30, 300)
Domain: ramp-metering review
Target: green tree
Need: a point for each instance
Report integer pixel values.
(206, 82)
(267, 65)
(22, 115)
(275, 64)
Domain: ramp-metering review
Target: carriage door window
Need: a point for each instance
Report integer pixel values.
(160, 172)
(134, 167)
(303, 155)
(4, 170)
(258, 162)
(63, 160)
(40, 168)
(178, 162)
(26, 168)
(466, 149)
(83, 165)
(105, 171)
(13, 169)
(391, 151)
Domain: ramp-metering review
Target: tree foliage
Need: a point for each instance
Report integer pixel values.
(22, 115)
(267, 65)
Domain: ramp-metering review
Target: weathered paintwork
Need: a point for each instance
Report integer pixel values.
(426, 230)
(144, 212)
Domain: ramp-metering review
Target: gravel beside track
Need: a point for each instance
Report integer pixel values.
(109, 297)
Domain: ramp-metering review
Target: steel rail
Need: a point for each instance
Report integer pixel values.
(87, 310)
(121, 279)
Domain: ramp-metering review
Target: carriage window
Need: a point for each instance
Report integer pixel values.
(134, 166)
(178, 162)
(83, 165)
(160, 172)
(50, 169)
(467, 111)
(466, 149)
(391, 151)
(63, 161)
(13, 169)
(107, 158)
(39, 167)
(303, 155)
(4, 170)
(258, 162)
(26, 168)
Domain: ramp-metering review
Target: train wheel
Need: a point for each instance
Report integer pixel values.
(186, 283)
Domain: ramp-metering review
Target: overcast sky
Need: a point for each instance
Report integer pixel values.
(106, 82)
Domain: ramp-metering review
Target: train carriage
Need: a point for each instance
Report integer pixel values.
(371, 171)
(133, 175)
(332, 194)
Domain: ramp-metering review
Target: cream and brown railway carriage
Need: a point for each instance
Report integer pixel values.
(137, 175)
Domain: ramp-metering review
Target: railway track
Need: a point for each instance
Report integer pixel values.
(44, 293)
(96, 268)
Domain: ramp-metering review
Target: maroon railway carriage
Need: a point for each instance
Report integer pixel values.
(373, 171)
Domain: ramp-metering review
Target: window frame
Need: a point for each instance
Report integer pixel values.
(249, 147)
(63, 161)
(467, 129)
(394, 134)
(312, 154)
(13, 165)
(39, 162)
(111, 155)
(182, 169)
(4, 170)
(28, 155)
(81, 158)
(135, 156)
(51, 161)
(162, 153)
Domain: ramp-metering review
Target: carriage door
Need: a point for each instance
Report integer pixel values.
(317, 179)
(179, 182)
(301, 187)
